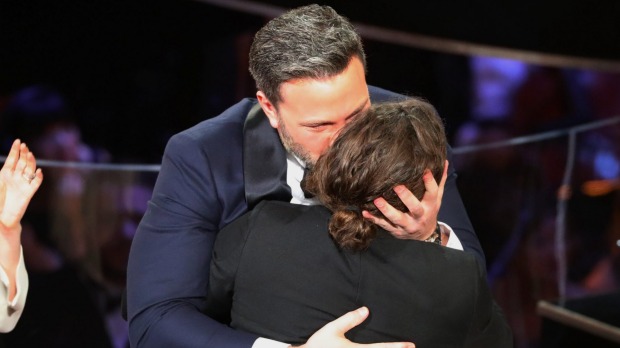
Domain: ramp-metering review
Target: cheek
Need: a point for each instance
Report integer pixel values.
(321, 145)
(315, 143)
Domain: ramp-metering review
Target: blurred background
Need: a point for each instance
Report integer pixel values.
(530, 94)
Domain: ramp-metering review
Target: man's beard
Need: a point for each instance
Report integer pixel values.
(292, 147)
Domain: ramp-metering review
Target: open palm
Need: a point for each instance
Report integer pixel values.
(19, 180)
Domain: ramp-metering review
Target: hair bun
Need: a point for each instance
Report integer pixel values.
(350, 230)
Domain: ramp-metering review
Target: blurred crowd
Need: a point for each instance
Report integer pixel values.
(514, 194)
(77, 231)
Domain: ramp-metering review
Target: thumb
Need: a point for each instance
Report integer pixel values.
(348, 321)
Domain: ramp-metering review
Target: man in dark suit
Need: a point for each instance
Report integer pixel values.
(309, 67)
(277, 273)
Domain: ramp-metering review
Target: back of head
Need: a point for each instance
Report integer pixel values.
(307, 42)
(388, 145)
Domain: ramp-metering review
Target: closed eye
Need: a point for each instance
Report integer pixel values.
(318, 124)
(317, 127)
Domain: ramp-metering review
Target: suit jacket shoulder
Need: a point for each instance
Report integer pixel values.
(378, 94)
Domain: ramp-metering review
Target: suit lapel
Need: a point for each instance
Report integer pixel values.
(264, 161)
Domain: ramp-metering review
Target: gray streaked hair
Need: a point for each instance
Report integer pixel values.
(307, 42)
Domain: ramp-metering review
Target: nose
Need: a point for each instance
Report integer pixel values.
(334, 136)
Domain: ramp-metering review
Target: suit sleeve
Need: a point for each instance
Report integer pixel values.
(453, 213)
(10, 312)
(168, 269)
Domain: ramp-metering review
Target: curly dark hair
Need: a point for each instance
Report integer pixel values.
(388, 145)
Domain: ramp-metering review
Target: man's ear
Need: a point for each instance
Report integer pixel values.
(268, 108)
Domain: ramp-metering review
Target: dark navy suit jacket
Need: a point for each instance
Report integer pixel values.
(211, 174)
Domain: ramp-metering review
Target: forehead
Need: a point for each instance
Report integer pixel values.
(328, 98)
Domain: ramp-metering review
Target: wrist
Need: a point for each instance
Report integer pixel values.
(11, 235)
